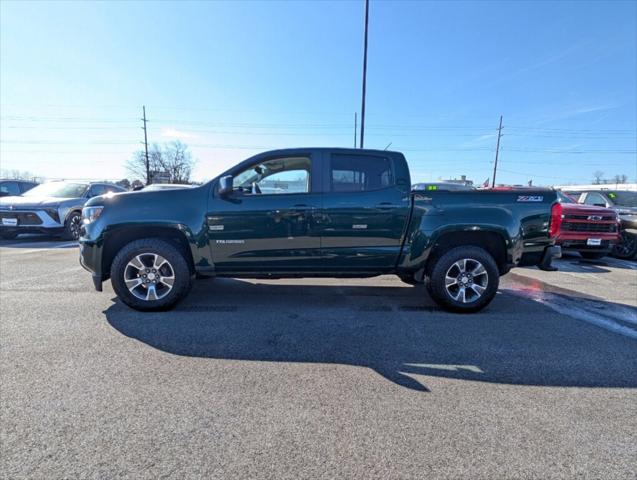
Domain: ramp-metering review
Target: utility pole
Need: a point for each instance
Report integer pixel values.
(364, 74)
(355, 127)
(146, 147)
(497, 150)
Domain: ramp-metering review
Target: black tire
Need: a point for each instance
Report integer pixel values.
(593, 255)
(440, 266)
(627, 247)
(8, 235)
(146, 248)
(72, 226)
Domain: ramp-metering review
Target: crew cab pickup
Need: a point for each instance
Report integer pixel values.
(315, 212)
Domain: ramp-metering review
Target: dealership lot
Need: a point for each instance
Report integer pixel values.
(361, 378)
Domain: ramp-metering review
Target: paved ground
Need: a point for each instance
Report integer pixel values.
(316, 378)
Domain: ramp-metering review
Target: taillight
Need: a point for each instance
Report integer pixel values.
(556, 219)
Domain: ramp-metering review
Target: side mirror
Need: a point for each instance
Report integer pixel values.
(600, 205)
(225, 185)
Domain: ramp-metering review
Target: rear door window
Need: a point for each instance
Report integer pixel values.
(359, 173)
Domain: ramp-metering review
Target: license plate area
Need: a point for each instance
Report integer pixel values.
(10, 222)
(593, 242)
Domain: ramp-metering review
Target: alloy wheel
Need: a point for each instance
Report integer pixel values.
(75, 225)
(149, 276)
(466, 280)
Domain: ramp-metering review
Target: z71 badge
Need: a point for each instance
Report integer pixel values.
(530, 198)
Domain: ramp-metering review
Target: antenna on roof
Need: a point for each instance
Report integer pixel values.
(387, 146)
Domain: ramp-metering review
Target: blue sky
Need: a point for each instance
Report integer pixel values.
(231, 79)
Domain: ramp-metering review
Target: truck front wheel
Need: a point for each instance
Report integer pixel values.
(150, 274)
(464, 279)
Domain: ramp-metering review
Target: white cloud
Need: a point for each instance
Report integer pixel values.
(172, 133)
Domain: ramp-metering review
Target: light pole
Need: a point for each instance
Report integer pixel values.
(364, 74)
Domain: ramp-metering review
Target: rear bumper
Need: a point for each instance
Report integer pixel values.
(552, 252)
(540, 257)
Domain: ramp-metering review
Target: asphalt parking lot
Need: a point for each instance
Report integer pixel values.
(312, 378)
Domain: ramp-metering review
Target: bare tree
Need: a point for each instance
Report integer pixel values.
(136, 166)
(172, 160)
(623, 178)
(597, 177)
(177, 161)
(16, 174)
(124, 183)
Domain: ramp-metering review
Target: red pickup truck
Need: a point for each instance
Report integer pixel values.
(592, 231)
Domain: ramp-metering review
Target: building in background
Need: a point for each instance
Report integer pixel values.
(461, 181)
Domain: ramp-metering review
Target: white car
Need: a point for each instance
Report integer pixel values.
(53, 208)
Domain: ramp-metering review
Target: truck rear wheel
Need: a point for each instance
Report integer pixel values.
(465, 279)
(150, 274)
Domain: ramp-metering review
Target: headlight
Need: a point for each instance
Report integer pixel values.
(53, 213)
(90, 214)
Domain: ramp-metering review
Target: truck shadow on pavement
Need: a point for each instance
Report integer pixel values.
(396, 331)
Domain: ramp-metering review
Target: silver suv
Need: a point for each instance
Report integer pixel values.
(53, 208)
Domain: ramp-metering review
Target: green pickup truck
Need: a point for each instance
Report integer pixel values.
(315, 212)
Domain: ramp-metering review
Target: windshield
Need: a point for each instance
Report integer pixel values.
(564, 198)
(58, 190)
(623, 199)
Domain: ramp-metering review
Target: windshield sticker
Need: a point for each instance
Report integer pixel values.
(530, 198)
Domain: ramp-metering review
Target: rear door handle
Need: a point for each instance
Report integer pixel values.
(385, 206)
(302, 206)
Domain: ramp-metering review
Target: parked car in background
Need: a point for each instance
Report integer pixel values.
(443, 186)
(625, 204)
(315, 212)
(15, 187)
(53, 208)
(590, 230)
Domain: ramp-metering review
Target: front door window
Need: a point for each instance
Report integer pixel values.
(274, 177)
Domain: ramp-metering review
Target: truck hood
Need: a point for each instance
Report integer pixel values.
(625, 210)
(37, 202)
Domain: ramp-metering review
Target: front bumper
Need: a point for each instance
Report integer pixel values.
(31, 229)
(91, 260)
(581, 246)
(31, 220)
